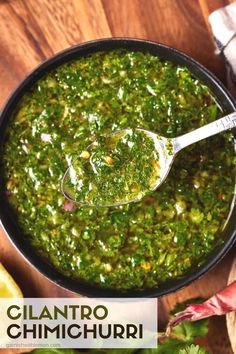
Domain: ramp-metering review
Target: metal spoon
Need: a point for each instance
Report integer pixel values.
(167, 150)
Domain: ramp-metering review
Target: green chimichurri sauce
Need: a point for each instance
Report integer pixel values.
(115, 169)
(137, 245)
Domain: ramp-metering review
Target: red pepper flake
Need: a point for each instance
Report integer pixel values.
(69, 206)
(149, 200)
(220, 196)
(221, 303)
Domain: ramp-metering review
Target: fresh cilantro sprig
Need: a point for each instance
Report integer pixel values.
(193, 349)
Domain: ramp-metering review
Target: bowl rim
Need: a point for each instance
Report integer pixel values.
(15, 236)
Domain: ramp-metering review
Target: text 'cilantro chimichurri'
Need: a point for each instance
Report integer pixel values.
(138, 245)
(115, 169)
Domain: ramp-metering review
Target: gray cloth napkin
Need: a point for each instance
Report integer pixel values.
(223, 24)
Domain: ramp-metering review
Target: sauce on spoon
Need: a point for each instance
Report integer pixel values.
(116, 169)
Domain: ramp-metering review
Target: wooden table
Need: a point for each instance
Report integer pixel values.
(33, 30)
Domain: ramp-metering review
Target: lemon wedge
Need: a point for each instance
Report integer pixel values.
(8, 287)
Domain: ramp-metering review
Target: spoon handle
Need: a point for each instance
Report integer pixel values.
(218, 126)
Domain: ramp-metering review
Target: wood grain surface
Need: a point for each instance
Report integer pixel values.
(33, 30)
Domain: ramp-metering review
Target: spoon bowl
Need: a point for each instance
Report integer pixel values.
(76, 173)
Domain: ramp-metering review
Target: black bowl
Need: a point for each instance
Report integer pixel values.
(7, 216)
